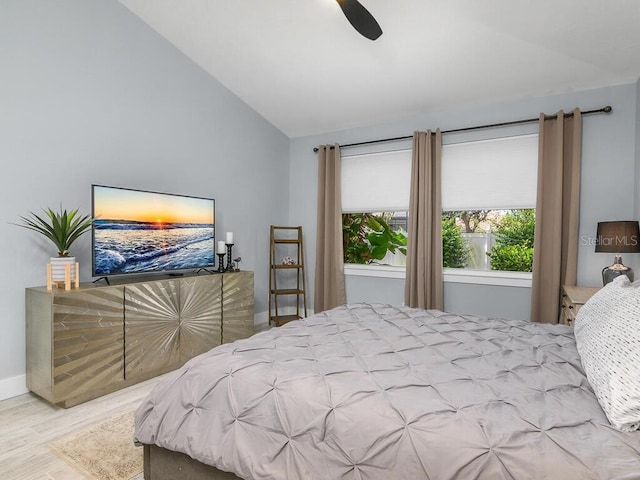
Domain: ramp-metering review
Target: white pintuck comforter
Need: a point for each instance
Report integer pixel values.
(378, 392)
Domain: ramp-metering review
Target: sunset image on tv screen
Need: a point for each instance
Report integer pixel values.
(138, 231)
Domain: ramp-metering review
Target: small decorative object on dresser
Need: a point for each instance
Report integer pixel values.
(63, 270)
(62, 228)
(229, 244)
(236, 262)
(617, 238)
(221, 252)
(573, 297)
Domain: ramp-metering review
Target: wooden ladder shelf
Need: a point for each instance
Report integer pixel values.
(286, 275)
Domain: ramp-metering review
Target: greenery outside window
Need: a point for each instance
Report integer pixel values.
(489, 239)
(375, 238)
(472, 239)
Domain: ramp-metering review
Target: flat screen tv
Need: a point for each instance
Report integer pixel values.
(137, 231)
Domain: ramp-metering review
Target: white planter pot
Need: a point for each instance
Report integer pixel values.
(58, 268)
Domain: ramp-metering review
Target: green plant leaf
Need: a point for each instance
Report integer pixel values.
(62, 228)
(368, 237)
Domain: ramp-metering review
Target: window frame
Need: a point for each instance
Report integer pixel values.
(452, 275)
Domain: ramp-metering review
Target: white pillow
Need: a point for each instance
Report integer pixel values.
(607, 331)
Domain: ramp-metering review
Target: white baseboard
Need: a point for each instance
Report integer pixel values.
(260, 319)
(13, 386)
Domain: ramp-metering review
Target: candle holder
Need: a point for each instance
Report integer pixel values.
(229, 267)
(220, 262)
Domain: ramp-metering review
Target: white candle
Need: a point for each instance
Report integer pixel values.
(221, 247)
(229, 238)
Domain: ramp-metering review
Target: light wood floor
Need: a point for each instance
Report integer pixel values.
(28, 424)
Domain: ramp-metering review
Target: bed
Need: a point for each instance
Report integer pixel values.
(371, 391)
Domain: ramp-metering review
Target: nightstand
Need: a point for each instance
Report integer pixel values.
(573, 297)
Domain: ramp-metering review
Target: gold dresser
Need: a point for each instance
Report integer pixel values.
(87, 342)
(573, 297)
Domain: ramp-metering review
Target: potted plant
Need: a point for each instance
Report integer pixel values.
(62, 228)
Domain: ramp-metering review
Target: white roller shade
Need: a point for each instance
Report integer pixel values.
(490, 174)
(376, 182)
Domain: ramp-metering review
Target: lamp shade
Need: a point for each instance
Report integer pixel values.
(618, 237)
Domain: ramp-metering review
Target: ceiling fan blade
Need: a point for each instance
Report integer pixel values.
(360, 18)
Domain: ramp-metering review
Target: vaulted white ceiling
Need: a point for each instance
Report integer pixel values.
(301, 65)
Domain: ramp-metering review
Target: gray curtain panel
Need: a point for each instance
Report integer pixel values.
(329, 279)
(555, 257)
(423, 285)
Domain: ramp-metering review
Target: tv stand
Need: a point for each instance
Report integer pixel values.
(106, 279)
(96, 339)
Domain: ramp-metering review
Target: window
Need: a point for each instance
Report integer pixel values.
(375, 238)
(488, 202)
(489, 239)
(488, 199)
(375, 200)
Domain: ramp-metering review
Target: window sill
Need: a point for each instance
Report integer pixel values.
(384, 271)
(488, 277)
(450, 275)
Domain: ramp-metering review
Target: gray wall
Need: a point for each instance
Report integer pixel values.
(90, 94)
(608, 184)
(374, 290)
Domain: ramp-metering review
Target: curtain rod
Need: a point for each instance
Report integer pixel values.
(607, 109)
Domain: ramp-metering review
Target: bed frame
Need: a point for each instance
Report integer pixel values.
(163, 464)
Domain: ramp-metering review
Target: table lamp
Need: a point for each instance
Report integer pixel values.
(617, 238)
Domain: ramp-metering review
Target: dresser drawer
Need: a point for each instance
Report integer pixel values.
(574, 297)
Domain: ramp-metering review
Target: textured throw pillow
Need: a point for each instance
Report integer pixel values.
(607, 331)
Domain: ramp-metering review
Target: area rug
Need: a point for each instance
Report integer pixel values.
(104, 451)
